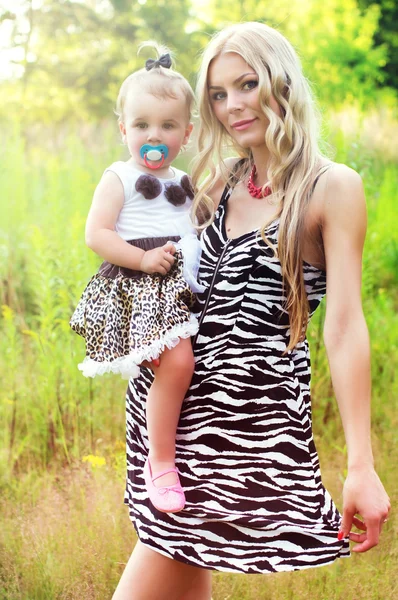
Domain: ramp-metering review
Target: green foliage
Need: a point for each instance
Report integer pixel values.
(77, 54)
(65, 532)
(48, 408)
(73, 55)
(62, 535)
(67, 536)
(334, 39)
(46, 405)
(343, 64)
(57, 528)
(387, 35)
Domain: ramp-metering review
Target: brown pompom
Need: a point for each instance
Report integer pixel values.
(187, 186)
(175, 194)
(149, 186)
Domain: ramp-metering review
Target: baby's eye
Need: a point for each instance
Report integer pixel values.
(250, 85)
(141, 125)
(168, 126)
(218, 96)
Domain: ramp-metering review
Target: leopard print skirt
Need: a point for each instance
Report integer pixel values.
(127, 316)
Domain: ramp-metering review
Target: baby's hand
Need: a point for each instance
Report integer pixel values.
(158, 260)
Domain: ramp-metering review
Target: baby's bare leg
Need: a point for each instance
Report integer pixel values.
(172, 379)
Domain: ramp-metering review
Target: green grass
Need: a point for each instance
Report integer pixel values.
(66, 535)
(63, 535)
(64, 531)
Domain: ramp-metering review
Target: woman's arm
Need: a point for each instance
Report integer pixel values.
(102, 238)
(347, 345)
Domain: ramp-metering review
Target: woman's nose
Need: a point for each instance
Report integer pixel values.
(234, 103)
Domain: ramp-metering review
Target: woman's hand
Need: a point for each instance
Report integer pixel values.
(364, 495)
(159, 260)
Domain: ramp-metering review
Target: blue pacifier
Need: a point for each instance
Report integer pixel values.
(154, 153)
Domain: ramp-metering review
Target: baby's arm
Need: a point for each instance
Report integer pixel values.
(102, 238)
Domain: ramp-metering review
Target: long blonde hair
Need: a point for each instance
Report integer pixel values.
(292, 141)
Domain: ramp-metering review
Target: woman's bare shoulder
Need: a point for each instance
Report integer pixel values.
(339, 188)
(343, 190)
(340, 174)
(340, 208)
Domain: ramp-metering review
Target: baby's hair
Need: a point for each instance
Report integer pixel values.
(159, 81)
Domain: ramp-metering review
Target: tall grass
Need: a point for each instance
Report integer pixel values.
(64, 529)
(48, 408)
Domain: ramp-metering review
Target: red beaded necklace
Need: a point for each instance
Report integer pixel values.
(254, 190)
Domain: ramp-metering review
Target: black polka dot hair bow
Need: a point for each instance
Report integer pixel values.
(163, 61)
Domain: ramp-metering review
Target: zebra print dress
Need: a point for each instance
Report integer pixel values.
(245, 450)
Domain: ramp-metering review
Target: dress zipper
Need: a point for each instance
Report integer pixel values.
(203, 313)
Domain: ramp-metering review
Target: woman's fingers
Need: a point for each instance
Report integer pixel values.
(358, 538)
(384, 519)
(346, 522)
(371, 535)
(366, 506)
(359, 524)
(367, 540)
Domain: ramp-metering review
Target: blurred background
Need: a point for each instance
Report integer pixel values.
(65, 533)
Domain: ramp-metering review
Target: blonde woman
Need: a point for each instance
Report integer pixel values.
(283, 226)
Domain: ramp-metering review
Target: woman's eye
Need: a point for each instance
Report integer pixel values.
(250, 85)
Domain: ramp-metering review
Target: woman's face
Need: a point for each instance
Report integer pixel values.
(234, 97)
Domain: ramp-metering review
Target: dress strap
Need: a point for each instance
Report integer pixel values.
(232, 181)
(321, 171)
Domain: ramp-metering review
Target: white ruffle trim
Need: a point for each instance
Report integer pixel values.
(191, 253)
(128, 366)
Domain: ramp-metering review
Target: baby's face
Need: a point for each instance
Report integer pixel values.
(150, 120)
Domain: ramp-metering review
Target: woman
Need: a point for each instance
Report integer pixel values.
(286, 217)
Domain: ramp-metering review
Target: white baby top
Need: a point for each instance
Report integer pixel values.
(153, 206)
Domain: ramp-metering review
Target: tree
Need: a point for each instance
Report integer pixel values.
(387, 36)
(74, 54)
(77, 53)
(335, 40)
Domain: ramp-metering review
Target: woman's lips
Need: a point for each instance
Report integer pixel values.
(241, 125)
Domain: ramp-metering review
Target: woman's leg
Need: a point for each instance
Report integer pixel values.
(151, 576)
(200, 588)
(163, 407)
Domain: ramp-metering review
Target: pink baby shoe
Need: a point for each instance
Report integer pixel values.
(171, 498)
